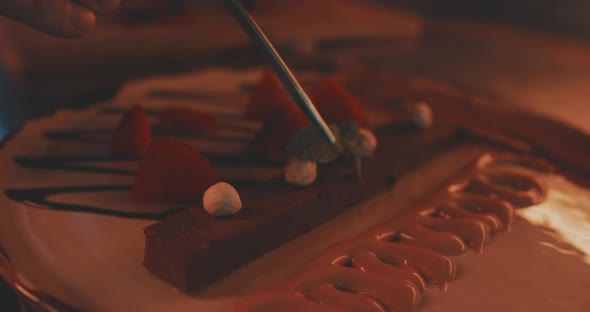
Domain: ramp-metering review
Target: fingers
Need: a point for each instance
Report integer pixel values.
(62, 18)
(100, 6)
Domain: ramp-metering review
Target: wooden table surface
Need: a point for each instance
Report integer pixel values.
(537, 71)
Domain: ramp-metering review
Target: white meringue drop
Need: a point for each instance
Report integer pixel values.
(301, 172)
(367, 141)
(222, 199)
(422, 115)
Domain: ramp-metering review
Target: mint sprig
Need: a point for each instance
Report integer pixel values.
(308, 145)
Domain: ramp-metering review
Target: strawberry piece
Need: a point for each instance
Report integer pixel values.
(172, 171)
(186, 120)
(132, 137)
(267, 98)
(336, 104)
(277, 130)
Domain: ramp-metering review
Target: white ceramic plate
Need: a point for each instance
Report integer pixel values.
(92, 261)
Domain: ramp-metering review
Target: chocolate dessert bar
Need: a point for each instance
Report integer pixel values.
(192, 249)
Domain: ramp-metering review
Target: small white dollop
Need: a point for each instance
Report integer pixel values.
(367, 141)
(301, 172)
(422, 115)
(222, 199)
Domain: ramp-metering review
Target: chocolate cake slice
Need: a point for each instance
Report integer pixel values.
(192, 249)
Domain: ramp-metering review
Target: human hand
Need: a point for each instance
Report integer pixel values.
(62, 18)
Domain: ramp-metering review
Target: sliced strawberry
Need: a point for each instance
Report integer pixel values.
(336, 104)
(172, 171)
(186, 120)
(268, 96)
(132, 137)
(277, 130)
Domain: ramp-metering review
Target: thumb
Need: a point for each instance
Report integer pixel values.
(62, 18)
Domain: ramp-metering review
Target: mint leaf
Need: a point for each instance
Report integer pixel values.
(308, 145)
(349, 131)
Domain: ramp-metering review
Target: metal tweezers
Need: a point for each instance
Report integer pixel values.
(282, 70)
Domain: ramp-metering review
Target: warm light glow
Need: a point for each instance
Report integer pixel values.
(567, 212)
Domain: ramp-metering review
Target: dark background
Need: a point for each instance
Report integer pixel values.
(570, 18)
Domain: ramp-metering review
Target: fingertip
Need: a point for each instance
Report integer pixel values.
(60, 18)
(100, 6)
(82, 20)
(108, 5)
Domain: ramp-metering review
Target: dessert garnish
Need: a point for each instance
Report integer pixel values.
(357, 141)
(132, 137)
(337, 105)
(422, 115)
(300, 172)
(282, 118)
(268, 96)
(307, 145)
(187, 120)
(222, 199)
(172, 171)
(414, 115)
(367, 141)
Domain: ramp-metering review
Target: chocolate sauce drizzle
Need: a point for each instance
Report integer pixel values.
(79, 135)
(75, 164)
(386, 268)
(38, 198)
(230, 120)
(84, 163)
(102, 137)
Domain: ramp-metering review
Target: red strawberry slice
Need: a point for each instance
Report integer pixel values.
(268, 96)
(132, 137)
(277, 130)
(336, 104)
(172, 171)
(186, 120)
